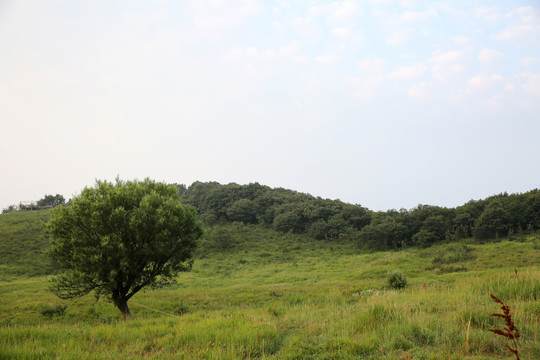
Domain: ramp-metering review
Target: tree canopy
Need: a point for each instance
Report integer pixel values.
(116, 238)
(333, 220)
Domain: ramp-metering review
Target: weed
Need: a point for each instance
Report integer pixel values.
(510, 331)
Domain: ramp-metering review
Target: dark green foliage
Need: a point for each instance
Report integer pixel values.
(115, 239)
(492, 223)
(51, 201)
(284, 210)
(9, 209)
(53, 310)
(397, 280)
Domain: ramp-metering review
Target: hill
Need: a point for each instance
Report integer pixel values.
(290, 211)
(257, 292)
(22, 243)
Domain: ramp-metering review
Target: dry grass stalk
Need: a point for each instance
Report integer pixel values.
(535, 329)
(425, 290)
(467, 337)
(510, 331)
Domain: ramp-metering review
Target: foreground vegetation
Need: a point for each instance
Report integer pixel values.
(257, 293)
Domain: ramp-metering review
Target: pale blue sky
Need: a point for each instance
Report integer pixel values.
(383, 103)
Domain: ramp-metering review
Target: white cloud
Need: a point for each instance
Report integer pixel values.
(527, 14)
(305, 26)
(532, 84)
(459, 98)
(528, 61)
(370, 66)
(341, 32)
(420, 91)
(484, 81)
(517, 32)
(250, 53)
(487, 13)
(419, 16)
(327, 59)
(489, 56)
(336, 11)
(494, 101)
(342, 10)
(408, 73)
(463, 40)
(447, 58)
(290, 49)
(399, 37)
(367, 88)
(457, 68)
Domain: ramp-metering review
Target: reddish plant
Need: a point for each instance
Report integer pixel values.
(510, 331)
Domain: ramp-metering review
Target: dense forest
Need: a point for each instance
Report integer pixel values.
(285, 210)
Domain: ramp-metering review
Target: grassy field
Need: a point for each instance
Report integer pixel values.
(263, 295)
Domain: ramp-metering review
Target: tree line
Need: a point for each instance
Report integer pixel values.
(285, 210)
(47, 201)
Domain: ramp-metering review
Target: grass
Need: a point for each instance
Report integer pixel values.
(278, 296)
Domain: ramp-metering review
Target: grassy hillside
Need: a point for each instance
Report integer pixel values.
(256, 293)
(22, 243)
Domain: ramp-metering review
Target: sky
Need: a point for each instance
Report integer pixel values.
(386, 104)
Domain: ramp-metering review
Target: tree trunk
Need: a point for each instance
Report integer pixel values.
(121, 304)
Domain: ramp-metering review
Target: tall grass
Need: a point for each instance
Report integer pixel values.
(280, 296)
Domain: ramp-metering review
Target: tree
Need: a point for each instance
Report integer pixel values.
(242, 210)
(116, 238)
(51, 200)
(492, 223)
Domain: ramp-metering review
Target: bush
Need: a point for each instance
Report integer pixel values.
(397, 280)
(53, 310)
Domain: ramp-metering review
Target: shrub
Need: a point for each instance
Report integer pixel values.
(181, 308)
(53, 310)
(397, 280)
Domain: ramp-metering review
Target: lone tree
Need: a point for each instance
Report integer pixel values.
(116, 238)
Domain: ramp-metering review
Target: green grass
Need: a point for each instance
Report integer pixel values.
(277, 296)
(22, 244)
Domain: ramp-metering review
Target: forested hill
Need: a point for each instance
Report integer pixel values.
(286, 210)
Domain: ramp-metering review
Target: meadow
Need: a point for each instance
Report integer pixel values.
(268, 295)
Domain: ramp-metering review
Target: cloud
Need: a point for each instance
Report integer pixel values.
(399, 37)
(420, 92)
(447, 58)
(419, 16)
(336, 11)
(371, 66)
(290, 49)
(489, 56)
(463, 40)
(517, 32)
(528, 61)
(368, 88)
(532, 84)
(306, 26)
(487, 13)
(408, 73)
(493, 101)
(527, 14)
(341, 32)
(484, 81)
(327, 59)
(343, 10)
